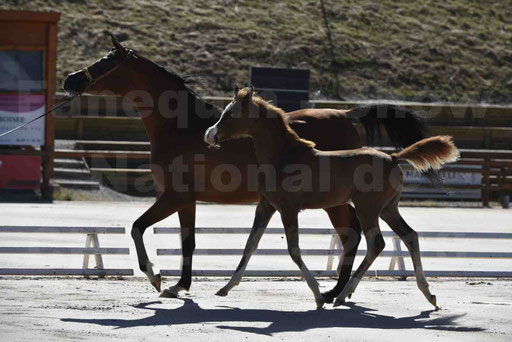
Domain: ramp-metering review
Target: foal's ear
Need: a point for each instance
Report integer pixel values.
(237, 89)
(250, 93)
(116, 44)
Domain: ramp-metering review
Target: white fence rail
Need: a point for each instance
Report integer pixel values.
(396, 268)
(397, 255)
(92, 247)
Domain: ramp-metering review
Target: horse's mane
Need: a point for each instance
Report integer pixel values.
(279, 119)
(196, 123)
(170, 76)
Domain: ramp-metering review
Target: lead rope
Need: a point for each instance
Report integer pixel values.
(129, 54)
(62, 104)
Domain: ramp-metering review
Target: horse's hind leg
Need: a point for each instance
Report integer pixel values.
(187, 216)
(410, 238)
(369, 221)
(264, 212)
(344, 220)
(166, 205)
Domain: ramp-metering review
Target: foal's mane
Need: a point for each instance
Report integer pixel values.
(279, 119)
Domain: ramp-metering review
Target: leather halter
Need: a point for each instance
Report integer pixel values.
(92, 80)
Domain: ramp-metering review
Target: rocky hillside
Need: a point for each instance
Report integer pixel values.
(453, 50)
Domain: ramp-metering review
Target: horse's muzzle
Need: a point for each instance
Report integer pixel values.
(75, 83)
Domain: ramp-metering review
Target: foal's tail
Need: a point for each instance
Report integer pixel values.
(429, 153)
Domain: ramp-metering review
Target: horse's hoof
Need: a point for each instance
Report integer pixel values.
(338, 302)
(172, 292)
(328, 298)
(320, 303)
(222, 293)
(168, 294)
(157, 283)
(433, 301)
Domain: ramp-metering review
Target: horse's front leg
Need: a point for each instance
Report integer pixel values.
(291, 227)
(264, 212)
(187, 217)
(166, 205)
(347, 226)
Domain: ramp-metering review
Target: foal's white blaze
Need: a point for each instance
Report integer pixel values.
(209, 136)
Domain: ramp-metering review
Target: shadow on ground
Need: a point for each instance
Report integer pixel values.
(280, 321)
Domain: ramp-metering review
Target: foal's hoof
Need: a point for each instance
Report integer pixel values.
(157, 283)
(338, 302)
(320, 303)
(328, 298)
(433, 301)
(222, 292)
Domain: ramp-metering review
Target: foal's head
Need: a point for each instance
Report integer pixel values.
(235, 120)
(243, 116)
(249, 115)
(110, 73)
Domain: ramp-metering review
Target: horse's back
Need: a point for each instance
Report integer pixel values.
(330, 129)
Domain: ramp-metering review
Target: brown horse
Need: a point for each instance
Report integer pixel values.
(186, 171)
(303, 177)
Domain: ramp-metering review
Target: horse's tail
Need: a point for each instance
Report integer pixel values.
(429, 154)
(404, 127)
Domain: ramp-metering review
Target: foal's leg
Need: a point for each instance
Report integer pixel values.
(291, 227)
(187, 216)
(347, 226)
(166, 205)
(375, 244)
(264, 212)
(410, 238)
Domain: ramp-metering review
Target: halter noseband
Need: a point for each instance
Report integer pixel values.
(93, 80)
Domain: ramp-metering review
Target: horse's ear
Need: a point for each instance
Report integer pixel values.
(250, 93)
(237, 89)
(116, 44)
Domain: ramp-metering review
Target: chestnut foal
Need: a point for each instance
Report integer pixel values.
(303, 177)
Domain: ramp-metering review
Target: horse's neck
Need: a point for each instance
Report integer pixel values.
(272, 141)
(164, 125)
(146, 100)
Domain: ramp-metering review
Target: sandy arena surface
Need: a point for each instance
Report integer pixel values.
(60, 309)
(129, 310)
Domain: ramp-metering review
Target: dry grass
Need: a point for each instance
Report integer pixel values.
(454, 50)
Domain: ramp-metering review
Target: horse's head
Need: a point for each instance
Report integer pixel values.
(237, 119)
(106, 74)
